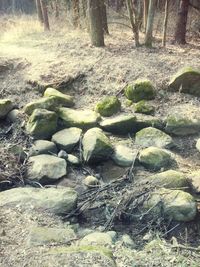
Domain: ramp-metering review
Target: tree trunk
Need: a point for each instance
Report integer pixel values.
(76, 13)
(181, 24)
(39, 11)
(145, 15)
(45, 15)
(165, 23)
(150, 21)
(104, 17)
(56, 9)
(95, 19)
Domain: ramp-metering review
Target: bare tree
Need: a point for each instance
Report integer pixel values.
(95, 21)
(39, 11)
(45, 15)
(181, 24)
(165, 23)
(145, 13)
(150, 22)
(76, 13)
(104, 16)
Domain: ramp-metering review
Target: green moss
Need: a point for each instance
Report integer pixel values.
(108, 106)
(144, 108)
(140, 90)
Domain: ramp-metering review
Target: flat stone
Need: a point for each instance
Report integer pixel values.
(46, 168)
(59, 200)
(97, 238)
(42, 147)
(124, 156)
(67, 139)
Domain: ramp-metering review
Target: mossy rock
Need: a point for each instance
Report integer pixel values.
(169, 179)
(42, 124)
(140, 90)
(83, 119)
(155, 158)
(5, 107)
(186, 80)
(144, 108)
(62, 99)
(173, 204)
(108, 106)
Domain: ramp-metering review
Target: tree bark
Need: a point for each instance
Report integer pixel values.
(104, 17)
(39, 11)
(95, 20)
(145, 14)
(181, 24)
(76, 13)
(45, 15)
(165, 23)
(150, 21)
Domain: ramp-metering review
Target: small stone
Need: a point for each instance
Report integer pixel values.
(5, 107)
(67, 139)
(97, 238)
(91, 181)
(13, 115)
(62, 99)
(144, 108)
(63, 154)
(127, 241)
(108, 106)
(73, 160)
(124, 156)
(42, 147)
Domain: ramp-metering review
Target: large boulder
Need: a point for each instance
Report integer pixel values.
(5, 107)
(155, 158)
(42, 124)
(84, 119)
(186, 80)
(59, 200)
(124, 156)
(46, 168)
(183, 120)
(108, 106)
(62, 99)
(173, 204)
(67, 139)
(153, 137)
(140, 90)
(42, 147)
(169, 179)
(96, 146)
(121, 124)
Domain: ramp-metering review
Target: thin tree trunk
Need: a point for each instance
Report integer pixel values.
(181, 24)
(76, 13)
(56, 9)
(165, 23)
(39, 11)
(150, 21)
(45, 15)
(95, 19)
(104, 17)
(145, 15)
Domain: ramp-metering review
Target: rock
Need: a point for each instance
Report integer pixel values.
(155, 158)
(14, 115)
(5, 107)
(84, 119)
(169, 179)
(96, 146)
(108, 106)
(144, 108)
(39, 236)
(183, 121)
(67, 139)
(124, 156)
(186, 80)
(42, 124)
(46, 168)
(42, 147)
(63, 154)
(97, 238)
(153, 137)
(198, 145)
(91, 181)
(121, 124)
(62, 99)
(49, 103)
(174, 204)
(73, 160)
(127, 241)
(140, 90)
(59, 200)
(144, 121)
(194, 181)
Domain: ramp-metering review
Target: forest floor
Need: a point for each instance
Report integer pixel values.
(31, 56)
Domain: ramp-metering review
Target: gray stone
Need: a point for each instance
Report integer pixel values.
(49, 103)
(62, 99)
(194, 181)
(96, 146)
(46, 168)
(153, 137)
(42, 124)
(5, 107)
(91, 181)
(73, 160)
(175, 204)
(97, 238)
(42, 147)
(14, 115)
(59, 200)
(67, 139)
(198, 145)
(84, 119)
(124, 156)
(155, 158)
